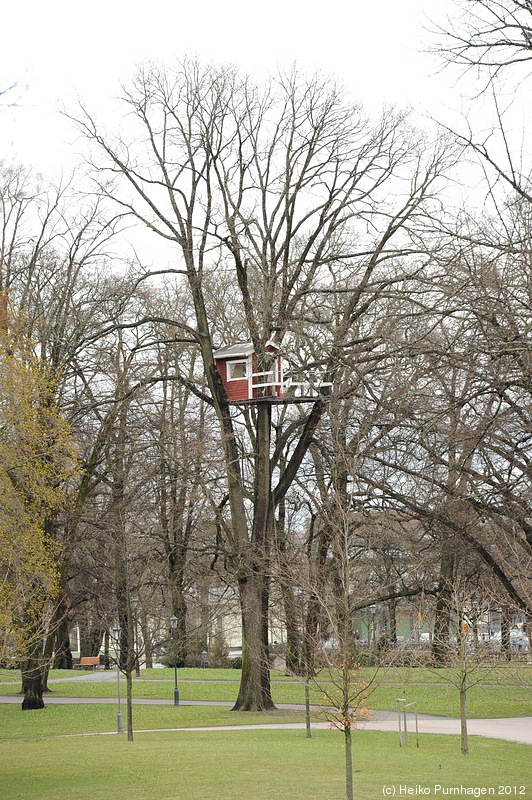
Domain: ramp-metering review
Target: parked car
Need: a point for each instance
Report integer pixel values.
(518, 641)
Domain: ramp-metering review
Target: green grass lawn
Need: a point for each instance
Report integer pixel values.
(39, 763)
(511, 674)
(62, 719)
(498, 701)
(189, 673)
(505, 693)
(250, 765)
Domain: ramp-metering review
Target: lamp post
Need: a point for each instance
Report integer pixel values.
(135, 605)
(173, 623)
(117, 630)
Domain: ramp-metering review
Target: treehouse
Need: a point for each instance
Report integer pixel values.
(237, 365)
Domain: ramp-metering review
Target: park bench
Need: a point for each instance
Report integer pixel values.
(89, 661)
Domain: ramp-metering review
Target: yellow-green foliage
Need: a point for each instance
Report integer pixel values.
(36, 463)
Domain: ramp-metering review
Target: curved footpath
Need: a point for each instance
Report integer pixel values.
(516, 729)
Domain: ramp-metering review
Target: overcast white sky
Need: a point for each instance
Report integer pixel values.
(57, 49)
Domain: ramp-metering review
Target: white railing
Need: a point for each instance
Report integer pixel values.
(268, 380)
(312, 383)
(260, 384)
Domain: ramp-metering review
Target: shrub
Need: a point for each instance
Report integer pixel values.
(219, 652)
(196, 646)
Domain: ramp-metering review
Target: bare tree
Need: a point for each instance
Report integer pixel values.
(285, 188)
(490, 34)
(183, 475)
(492, 40)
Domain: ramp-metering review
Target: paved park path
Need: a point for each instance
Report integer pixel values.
(516, 729)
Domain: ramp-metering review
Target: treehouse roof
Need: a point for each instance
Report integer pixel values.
(239, 350)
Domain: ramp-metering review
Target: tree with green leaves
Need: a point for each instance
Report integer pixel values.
(37, 464)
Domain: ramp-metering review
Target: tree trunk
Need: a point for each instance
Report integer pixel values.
(146, 638)
(127, 657)
(106, 659)
(307, 707)
(292, 610)
(505, 632)
(63, 653)
(40, 657)
(314, 607)
(129, 683)
(48, 651)
(463, 718)
(179, 609)
(310, 635)
(528, 631)
(294, 664)
(117, 525)
(348, 763)
(440, 641)
(33, 679)
(90, 635)
(392, 607)
(255, 692)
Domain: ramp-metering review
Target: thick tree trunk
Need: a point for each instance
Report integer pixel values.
(32, 688)
(314, 608)
(90, 638)
(40, 657)
(292, 610)
(440, 641)
(33, 683)
(46, 660)
(63, 653)
(293, 657)
(310, 635)
(255, 692)
(179, 609)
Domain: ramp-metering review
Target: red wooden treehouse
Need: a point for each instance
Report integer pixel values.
(237, 365)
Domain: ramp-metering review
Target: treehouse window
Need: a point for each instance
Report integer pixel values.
(237, 370)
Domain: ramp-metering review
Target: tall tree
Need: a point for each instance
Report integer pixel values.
(37, 462)
(288, 188)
